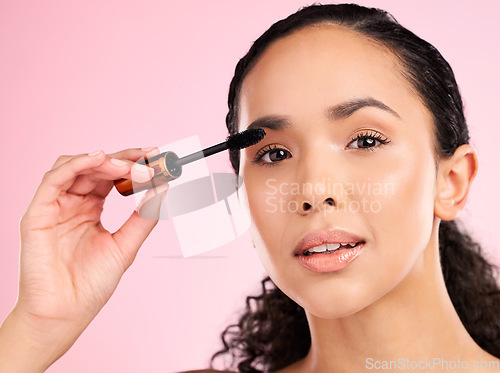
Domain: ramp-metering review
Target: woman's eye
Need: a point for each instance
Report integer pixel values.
(367, 140)
(271, 155)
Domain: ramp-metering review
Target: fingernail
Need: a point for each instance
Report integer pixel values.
(141, 173)
(94, 153)
(118, 162)
(152, 153)
(148, 149)
(145, 169)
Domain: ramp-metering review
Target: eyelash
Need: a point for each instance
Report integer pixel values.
(265, 150)
(370, 135)
(360, 136)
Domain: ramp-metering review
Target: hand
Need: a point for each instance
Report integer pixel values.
(70, 264)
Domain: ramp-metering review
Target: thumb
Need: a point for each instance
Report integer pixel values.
(139, 225)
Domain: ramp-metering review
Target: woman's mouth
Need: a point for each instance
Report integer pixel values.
(330, 257)
(328, 248)
(328, 251)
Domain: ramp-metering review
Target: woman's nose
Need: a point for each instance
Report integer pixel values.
(319, 173)
(310, 205)
(318, 193)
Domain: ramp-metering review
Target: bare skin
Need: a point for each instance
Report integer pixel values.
(389, 303)
(70, 264)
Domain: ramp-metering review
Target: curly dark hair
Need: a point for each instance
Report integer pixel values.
(273, 332)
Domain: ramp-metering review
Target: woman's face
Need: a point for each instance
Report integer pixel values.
(356, 136)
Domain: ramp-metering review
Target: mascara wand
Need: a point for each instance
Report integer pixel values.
(167, 166)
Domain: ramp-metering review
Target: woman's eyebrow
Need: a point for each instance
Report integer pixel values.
(337, 112)
(345, 109)
(274, 122)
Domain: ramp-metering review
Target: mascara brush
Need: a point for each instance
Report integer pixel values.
(167, 166)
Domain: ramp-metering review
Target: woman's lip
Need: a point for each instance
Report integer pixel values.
(317, 238)
(334, 261)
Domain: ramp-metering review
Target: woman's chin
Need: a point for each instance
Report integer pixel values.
(334, 304)
(335, 311)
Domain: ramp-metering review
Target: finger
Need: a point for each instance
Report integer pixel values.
(135, 154)
(132, 154)
(150, 204)
(137, 172)
(63, 159)
(90, 184)
(110, 169)
(102, 189)
(100, 184)
(61, 178)
(113, 169)
(137, 228)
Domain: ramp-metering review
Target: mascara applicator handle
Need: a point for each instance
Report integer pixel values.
(202, 153)
(166, 168)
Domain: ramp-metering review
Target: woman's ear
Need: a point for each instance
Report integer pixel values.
(455, 176)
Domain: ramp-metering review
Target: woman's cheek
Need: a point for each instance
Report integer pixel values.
(403, 226)
(266, 216)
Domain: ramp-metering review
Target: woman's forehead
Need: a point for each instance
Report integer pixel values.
(321, 63)
(321, 46)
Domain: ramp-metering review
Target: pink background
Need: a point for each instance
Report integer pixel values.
(78, 76)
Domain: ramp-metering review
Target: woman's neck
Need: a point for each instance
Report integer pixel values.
(413, 323)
